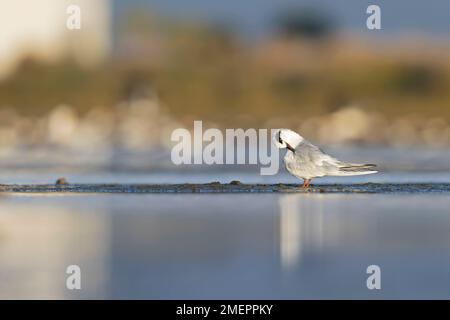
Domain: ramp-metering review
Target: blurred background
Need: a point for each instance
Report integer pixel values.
(115, 89)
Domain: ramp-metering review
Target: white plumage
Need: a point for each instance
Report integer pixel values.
(306, 161)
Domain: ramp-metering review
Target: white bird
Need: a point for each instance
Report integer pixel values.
(306, 161)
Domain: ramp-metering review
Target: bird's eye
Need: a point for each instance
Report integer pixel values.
(279, 137)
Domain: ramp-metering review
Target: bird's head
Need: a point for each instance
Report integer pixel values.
(285, 138)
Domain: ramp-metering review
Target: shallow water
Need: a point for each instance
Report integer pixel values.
(235, 245)
(225, 245)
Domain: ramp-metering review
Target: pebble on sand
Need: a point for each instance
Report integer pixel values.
(61, 181)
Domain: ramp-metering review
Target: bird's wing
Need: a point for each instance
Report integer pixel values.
(312, 154)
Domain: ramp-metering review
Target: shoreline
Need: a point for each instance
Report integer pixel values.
(233, 187)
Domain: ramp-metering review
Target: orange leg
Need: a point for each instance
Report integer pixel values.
(308, 183)
(304, 183)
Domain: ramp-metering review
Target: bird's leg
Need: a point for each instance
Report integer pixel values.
(304, 183)
(308, 182)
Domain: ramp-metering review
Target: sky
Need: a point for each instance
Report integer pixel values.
(256, 17)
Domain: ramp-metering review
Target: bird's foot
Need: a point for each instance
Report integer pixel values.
(306, 184)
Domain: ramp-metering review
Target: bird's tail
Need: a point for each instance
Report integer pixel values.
(353, 169)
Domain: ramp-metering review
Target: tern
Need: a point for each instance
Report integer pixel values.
(307, 161)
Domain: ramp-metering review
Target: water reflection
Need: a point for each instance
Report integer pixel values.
(37, 245)
(225, 246)
(311, 223)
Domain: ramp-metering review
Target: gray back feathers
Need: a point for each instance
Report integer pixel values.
(309, 161)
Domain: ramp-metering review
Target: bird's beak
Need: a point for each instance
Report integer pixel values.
(289, 147)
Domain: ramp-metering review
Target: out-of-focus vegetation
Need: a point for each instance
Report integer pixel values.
(305, 80)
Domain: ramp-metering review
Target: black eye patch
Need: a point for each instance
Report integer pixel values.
(279, 137)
